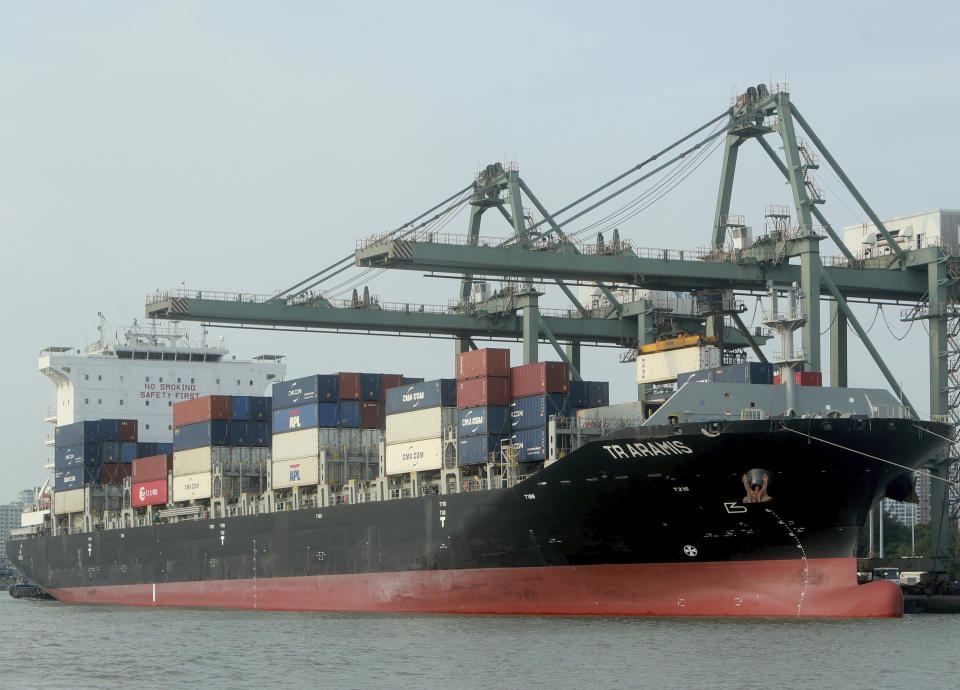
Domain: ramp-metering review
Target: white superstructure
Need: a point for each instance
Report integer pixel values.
(916, 231)
(143, 371)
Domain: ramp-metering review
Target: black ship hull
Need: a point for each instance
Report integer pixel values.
(719, 518)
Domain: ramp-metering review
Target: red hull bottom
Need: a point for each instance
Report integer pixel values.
(816, 588)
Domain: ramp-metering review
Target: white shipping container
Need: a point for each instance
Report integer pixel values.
(192, 486)
(296, 472)
(32, 517)
(68, 501)
(660, 367)
(199, 460)
(415, 456)
(419, 424)
(296, 444)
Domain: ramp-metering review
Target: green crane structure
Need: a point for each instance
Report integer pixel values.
(539, 252)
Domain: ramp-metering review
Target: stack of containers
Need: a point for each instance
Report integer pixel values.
(306, 420)
(90, 453)
(538, 391)
(149, 480)
(207, 435)
(586, 394)
(417, 416)
(483, 397)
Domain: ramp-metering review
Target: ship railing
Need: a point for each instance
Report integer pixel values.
(892, 411)
(942, 418)
(474, 485)
(752, 413)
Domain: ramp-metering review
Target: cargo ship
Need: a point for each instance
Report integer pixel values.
(742, 499)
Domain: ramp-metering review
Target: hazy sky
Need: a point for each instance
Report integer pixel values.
(241, 146)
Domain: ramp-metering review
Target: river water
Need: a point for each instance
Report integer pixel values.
(54, 645)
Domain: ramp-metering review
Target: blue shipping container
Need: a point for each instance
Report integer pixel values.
(349, 414)
(535, 410)
(579, 395)
(146, 449)
(408, 380)
(128, 451)
(749, 372)
(240, 407)
(420, 396)
(530, 444)
(239, 434)
(164, 448)
(492, 419)
(371, 386)
(77, 477)
(110, 451)
(305, 417)
(473, 450)
(599, 393)
(260, 408)
(698, 376)
(212, 433)
(78, 432)
(260, 434)
(76, 455)
(306, 390)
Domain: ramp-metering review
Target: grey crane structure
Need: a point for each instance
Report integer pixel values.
(539, 252)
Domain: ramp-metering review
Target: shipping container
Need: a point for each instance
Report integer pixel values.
(213, 433)
(128, 451)
(536, 410)
(419, 396)
(76, 455)
(539, 377)
(698, 376)
(260, 408)
(69, 501)
(371, 415)
(748, 372)
(201, 459)
(490, 419)
(77, 477)
(110, 451)
(476, 449)
(411, 380)
(802, 378)
(419, 424)
(350, 385)
(370, 440)
(306, 390)
(483, 363)
(150, 493)
(192, 487)
(579, 395)
(149, 469)
(371, 387)
(164, 448)
(349, 416)
(388, 381)
(295, 472)
(483, 391)
(260, 434)
(240, 407)
(599, 393)
(113, 474)
(203, 409)
(309, 442)
(239, 433)
(305, 417)
(146, 449)
(77, 434)
(660, 367)
(118, 429)
(414, 456)
(530, 444)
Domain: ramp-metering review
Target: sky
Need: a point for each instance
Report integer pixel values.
(241, 146)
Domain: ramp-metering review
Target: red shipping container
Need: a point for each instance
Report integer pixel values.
(539, 378)
(487, 362)
(128, 430)
(349, 386)
(201, 410)
(808, 378)
(371, 415)
(113, 473)
(489, 390)
(389, 381)
(154, 467)
(149, 493)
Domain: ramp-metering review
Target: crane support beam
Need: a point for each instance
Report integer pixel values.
(625, 268)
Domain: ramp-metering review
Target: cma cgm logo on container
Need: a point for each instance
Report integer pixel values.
(294, 391)
(413, 455)
(410, 397)
(190, 486)
(146, 493)
(70, 478)
(472, 421)
(640, 450)
(295, 472)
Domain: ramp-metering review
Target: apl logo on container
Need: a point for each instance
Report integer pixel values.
(294, 421)
(295, 472)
